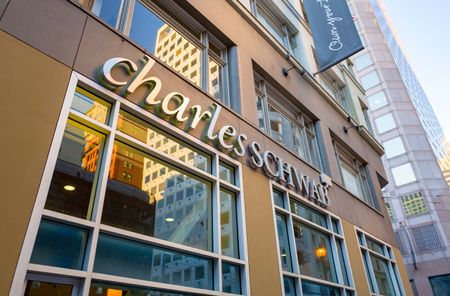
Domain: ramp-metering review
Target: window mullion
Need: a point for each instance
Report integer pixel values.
(205, 63)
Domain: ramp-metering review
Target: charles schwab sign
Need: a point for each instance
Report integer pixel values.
(179, 108)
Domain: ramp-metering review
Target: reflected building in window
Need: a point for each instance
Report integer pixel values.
(416, 155)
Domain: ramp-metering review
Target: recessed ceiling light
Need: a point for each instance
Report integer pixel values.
(170, 219)
(69, 187)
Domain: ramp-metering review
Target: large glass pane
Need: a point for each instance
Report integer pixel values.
(226, 173)
(278, 198)
(403, 174)
(363, 61)
(440, 284)
(381, 271)
(155, 138)
(281, 129)
(314, 253)
(394, 147)
(228, 223)
(71, 188)
(308, 213)
(351, 179)
(374, 246)
(122, 257)
(107, 289)
(231, 278)
(312, 289)
(59, 245)
(108, 10)
(283, 242)
(215, 79)
(377, 100)
(164, 42)
(342, 262)
(385, 123)
(90, 105)
(370, 80)
(289, 286)
(40, 288)
(260, 110)
(146, 196)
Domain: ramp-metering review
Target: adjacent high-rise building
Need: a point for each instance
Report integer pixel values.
(416, 155)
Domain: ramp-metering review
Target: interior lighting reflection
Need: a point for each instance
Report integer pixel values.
(69, 188)
(321, 251)
(170, 219)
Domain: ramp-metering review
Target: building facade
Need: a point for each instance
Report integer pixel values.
(166, 153)
(416, 153)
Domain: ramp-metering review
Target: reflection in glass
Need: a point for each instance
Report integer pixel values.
(107, 289)
(215, 79)
(59, 245)
(231, 278)
(440, 284)
(289, 287)
(382, 277)
(312, 289)
(90, 105)
(108, 10)
(308, 213)
(226, 173)
(278, 198)
(260, 110)
(283, 241)
(314, 253)
(122, 257)
(72, 182)
(39, 288)
(153, 137)
(156, 199)
(374, 246)
(340, 252)
(164, 42)
(228, 223)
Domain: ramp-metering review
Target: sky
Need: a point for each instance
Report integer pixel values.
(422, 31)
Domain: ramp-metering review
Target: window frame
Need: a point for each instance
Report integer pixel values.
(270, 97)
(334, 236)
(342, 155)
(261, 10)
(387, 256)
(94, 225)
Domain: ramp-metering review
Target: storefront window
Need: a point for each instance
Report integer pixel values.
(121, 257)
(319, 260)
(72, 184)
(380, 266)
(129, 200)
(228, 222)
(314, 253)
(59, 245)
(107, 289)
(137, 201)
(155, 138)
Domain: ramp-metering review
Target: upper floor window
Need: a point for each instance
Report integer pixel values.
(354, 175)
(291, 128)
(190, 50)
(286, 35)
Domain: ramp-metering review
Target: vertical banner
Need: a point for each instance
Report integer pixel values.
(333, 30)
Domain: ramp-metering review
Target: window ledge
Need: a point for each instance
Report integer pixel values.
(364, 132)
